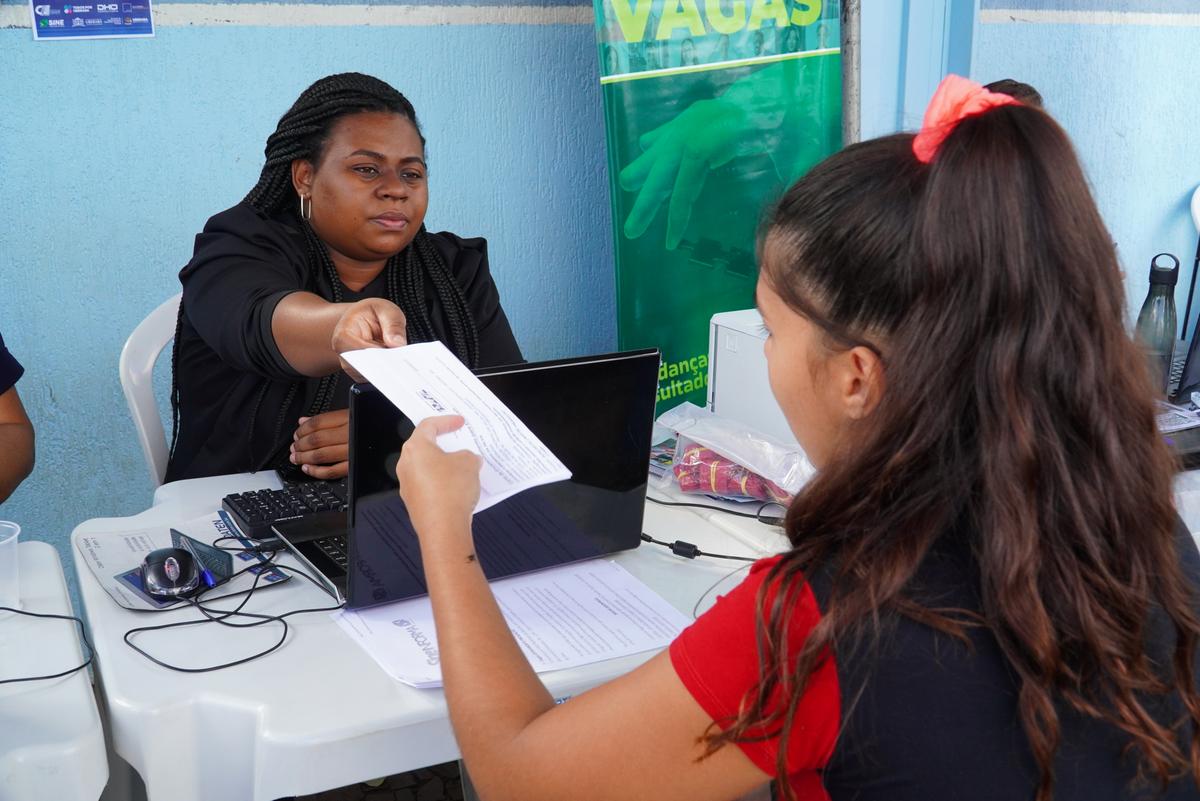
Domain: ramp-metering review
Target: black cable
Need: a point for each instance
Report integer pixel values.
(221, 617)
(713, 586)
(82, 634)
(768, 520)
(177, 668)
(689, 551)
(269, 546)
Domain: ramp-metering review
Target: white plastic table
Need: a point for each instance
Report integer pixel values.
(51, 739)
(318, 713)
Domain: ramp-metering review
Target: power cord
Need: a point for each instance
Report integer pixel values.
(82, 634)
(769, 520)
(221, 617)
(689, 551)
(272, 545)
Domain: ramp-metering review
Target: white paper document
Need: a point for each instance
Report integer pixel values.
(426, 380)
(562, 617)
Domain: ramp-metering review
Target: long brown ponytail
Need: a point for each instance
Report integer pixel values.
(1015, 403)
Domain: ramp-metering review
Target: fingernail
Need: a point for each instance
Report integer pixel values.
(304, 419)
(306, 469)
(292, 458)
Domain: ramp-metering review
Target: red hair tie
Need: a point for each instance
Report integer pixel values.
(956, 99)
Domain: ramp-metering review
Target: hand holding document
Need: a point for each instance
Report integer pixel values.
(426, 380)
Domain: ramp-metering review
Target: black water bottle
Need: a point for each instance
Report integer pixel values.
(1156, 322)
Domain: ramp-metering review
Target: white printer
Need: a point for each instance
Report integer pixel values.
(738, 387)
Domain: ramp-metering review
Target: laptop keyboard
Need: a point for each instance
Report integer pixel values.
(1175, 378)
(335, 548)
(257, 511)
(1176, 369)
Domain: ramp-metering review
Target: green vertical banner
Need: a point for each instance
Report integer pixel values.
(712, 108)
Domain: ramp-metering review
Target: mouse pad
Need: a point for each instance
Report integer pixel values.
(115, 558)
(133, 580)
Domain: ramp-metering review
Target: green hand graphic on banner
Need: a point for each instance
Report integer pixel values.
(708, 134)
(678, 158)
(710, 116)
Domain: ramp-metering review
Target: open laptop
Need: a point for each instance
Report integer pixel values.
(1183, 380)
(595, 413)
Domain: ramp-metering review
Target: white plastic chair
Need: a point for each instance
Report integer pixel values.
(137, 380)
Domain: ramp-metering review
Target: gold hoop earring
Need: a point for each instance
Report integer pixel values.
(305, 207)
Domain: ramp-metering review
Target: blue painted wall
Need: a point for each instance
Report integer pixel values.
(1126, 86)
(908, 47)
(114, 153)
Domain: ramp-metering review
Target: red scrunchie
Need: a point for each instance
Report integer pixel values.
(955, 99)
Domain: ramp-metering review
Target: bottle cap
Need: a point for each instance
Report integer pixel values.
(1163, 271)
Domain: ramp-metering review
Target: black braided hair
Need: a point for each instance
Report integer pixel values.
(301, 134)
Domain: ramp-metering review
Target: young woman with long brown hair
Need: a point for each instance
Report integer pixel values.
(987, 596)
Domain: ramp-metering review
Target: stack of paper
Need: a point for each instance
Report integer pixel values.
(561, 618)
(1175, 418)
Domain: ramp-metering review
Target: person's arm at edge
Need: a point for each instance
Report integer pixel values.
(302, 325)
(517, 744)
(16, 443)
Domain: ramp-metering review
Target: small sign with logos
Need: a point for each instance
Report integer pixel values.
(91, 20)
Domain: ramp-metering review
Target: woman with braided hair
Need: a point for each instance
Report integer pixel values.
(327, 253)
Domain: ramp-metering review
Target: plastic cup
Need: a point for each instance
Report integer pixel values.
(10, 587)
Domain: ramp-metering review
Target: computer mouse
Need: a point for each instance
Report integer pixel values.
(170, 573)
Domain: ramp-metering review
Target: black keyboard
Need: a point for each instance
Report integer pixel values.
(255, 512)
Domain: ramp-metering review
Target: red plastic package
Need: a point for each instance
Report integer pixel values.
(699, 469)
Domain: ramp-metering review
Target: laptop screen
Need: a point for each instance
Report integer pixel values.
(594, 413)
(1188, 376)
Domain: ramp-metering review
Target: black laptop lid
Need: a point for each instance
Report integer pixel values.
(594, 413)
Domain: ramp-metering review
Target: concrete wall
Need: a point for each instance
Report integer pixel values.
(908, 47)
